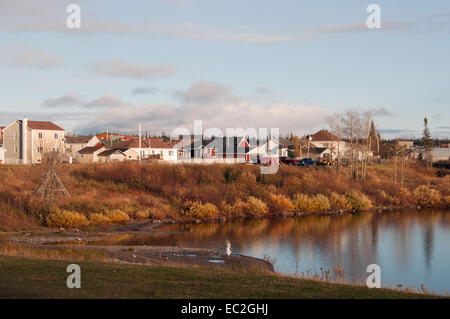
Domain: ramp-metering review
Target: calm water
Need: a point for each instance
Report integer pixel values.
(412, 248)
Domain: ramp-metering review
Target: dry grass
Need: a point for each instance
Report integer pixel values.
(117, 192)
(10, 249)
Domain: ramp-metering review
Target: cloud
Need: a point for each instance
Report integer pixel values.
(204, 92)
(24, 56)
(121, 69)
(382, 111)
(75, 100)
(109, 100)
(145, 90)
(28, 15)
(69, 100)
(216, 105)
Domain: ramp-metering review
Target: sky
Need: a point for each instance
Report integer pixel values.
(284, 64)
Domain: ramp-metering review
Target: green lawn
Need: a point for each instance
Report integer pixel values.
(28, 278)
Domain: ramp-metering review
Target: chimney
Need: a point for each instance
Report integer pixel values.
(24, 140)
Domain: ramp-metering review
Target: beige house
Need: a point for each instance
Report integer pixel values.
(2, 155)
(112, 155)
(27, 141)
(75, 143)
(89, 154)
(324, 139)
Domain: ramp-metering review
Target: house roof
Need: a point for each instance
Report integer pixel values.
(78, 139)
(158, 143)
(133, 143)
(43, 125)
(110, 152)
(323, 136)
(91, 149)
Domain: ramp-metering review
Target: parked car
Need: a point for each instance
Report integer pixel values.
(306, 162)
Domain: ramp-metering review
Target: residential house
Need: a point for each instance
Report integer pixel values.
(198, 150)
(1, 135)
(325, 139)
(316, 153)
(167, 151)
(27, 141)
(440, 154)
(403, 143)
(89, 154)
(113, 155)
(264, 152)
(229, 149)
(287, 147)
(75, 143)
(2, 155)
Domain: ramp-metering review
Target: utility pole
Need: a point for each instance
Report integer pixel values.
(140, 142)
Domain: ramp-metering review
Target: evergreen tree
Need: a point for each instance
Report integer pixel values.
(427, 142)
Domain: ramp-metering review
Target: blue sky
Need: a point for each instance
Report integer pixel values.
(249, 63)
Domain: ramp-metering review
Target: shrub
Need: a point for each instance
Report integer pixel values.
(98, 218)
(426, 196)
(404, 196)
(143, 214)
(255, 207)
(386, 199)
(117, 216)
(313, 204)
(302, 203)
(65, 218)
(200, 210)
(338, 201)
(280, 203)
(357, 201)
(238, 209)
(321, 203)
(446, 201)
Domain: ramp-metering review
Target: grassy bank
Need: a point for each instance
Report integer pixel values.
(117, 192)
(30, 278)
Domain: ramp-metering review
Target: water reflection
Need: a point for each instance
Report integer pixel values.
(411, 247)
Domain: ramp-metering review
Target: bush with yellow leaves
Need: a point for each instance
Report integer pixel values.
(426, 196)
(98, 218)
(357, 201)
(65, 218)
(312, 204)
(280, 203)
(117, 216)
(200, 210)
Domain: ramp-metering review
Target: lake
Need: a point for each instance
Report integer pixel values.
(411, 247)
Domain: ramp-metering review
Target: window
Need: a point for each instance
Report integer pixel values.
(15, 136)
(56, 136)
(55, 149)
(40, 149)
(170, 153)
(15, 149)
(40, 135)
(162, 152)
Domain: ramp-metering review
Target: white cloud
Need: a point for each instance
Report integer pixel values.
(21, 55)
(119, 68)
(69, 100)
(75, 100)
(216, 106)
(204, 92)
